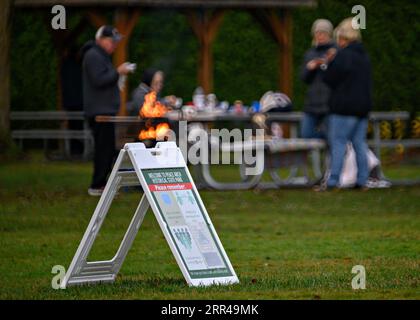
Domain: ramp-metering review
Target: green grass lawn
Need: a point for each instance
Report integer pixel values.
(283, 244)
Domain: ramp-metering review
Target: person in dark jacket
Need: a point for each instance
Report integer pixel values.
(152, 80)
(348, 74)
(317, 95)
(101, 96)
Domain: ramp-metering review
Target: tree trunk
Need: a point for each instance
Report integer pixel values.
(5, 29)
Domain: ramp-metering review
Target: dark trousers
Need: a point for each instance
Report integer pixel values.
(104, 154)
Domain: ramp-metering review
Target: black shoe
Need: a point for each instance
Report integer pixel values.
(360, 187)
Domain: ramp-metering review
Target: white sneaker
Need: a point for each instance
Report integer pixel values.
(378, 184)
(95, 192)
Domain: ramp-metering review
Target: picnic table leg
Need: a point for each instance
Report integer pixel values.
(45, 147)
(377, 139)
(67, 149)
(211, 182)
(247, 181)
(316, 163)
(293, 130)
(87, 142)
(377, 146)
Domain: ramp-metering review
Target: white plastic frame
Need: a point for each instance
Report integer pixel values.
(127, 171)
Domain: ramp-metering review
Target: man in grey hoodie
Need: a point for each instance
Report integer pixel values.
(101, 96)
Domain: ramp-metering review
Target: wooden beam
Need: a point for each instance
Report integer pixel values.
(237, 4)
(286, 54)
(73, 34)
(214, 23)
(260, 16)
(125, 21)
(279, 26)
(205, 24)
(5, 31)
(96, 19)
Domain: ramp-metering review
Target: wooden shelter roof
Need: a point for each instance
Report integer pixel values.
(170, 3)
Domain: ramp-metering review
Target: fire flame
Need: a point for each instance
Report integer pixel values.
(151, 133)
(153, 109)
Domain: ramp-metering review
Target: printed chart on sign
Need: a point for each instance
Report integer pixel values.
(178, 204)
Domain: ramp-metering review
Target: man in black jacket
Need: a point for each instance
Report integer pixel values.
(101, 96)
(349, 76)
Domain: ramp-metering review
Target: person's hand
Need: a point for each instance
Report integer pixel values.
(171, 100)
(314, 63)
(330, 55)
(123, 69)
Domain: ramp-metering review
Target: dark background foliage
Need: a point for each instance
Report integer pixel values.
(245, 58)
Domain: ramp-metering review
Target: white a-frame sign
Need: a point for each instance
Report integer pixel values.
(176, 203)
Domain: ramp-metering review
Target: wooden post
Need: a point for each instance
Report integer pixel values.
(280, 28)
(5, 29)
(96, 19)
(124, 21)
(205, 25)
(286, 54)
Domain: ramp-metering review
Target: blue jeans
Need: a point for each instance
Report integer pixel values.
(313, 126)
(341, 130)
